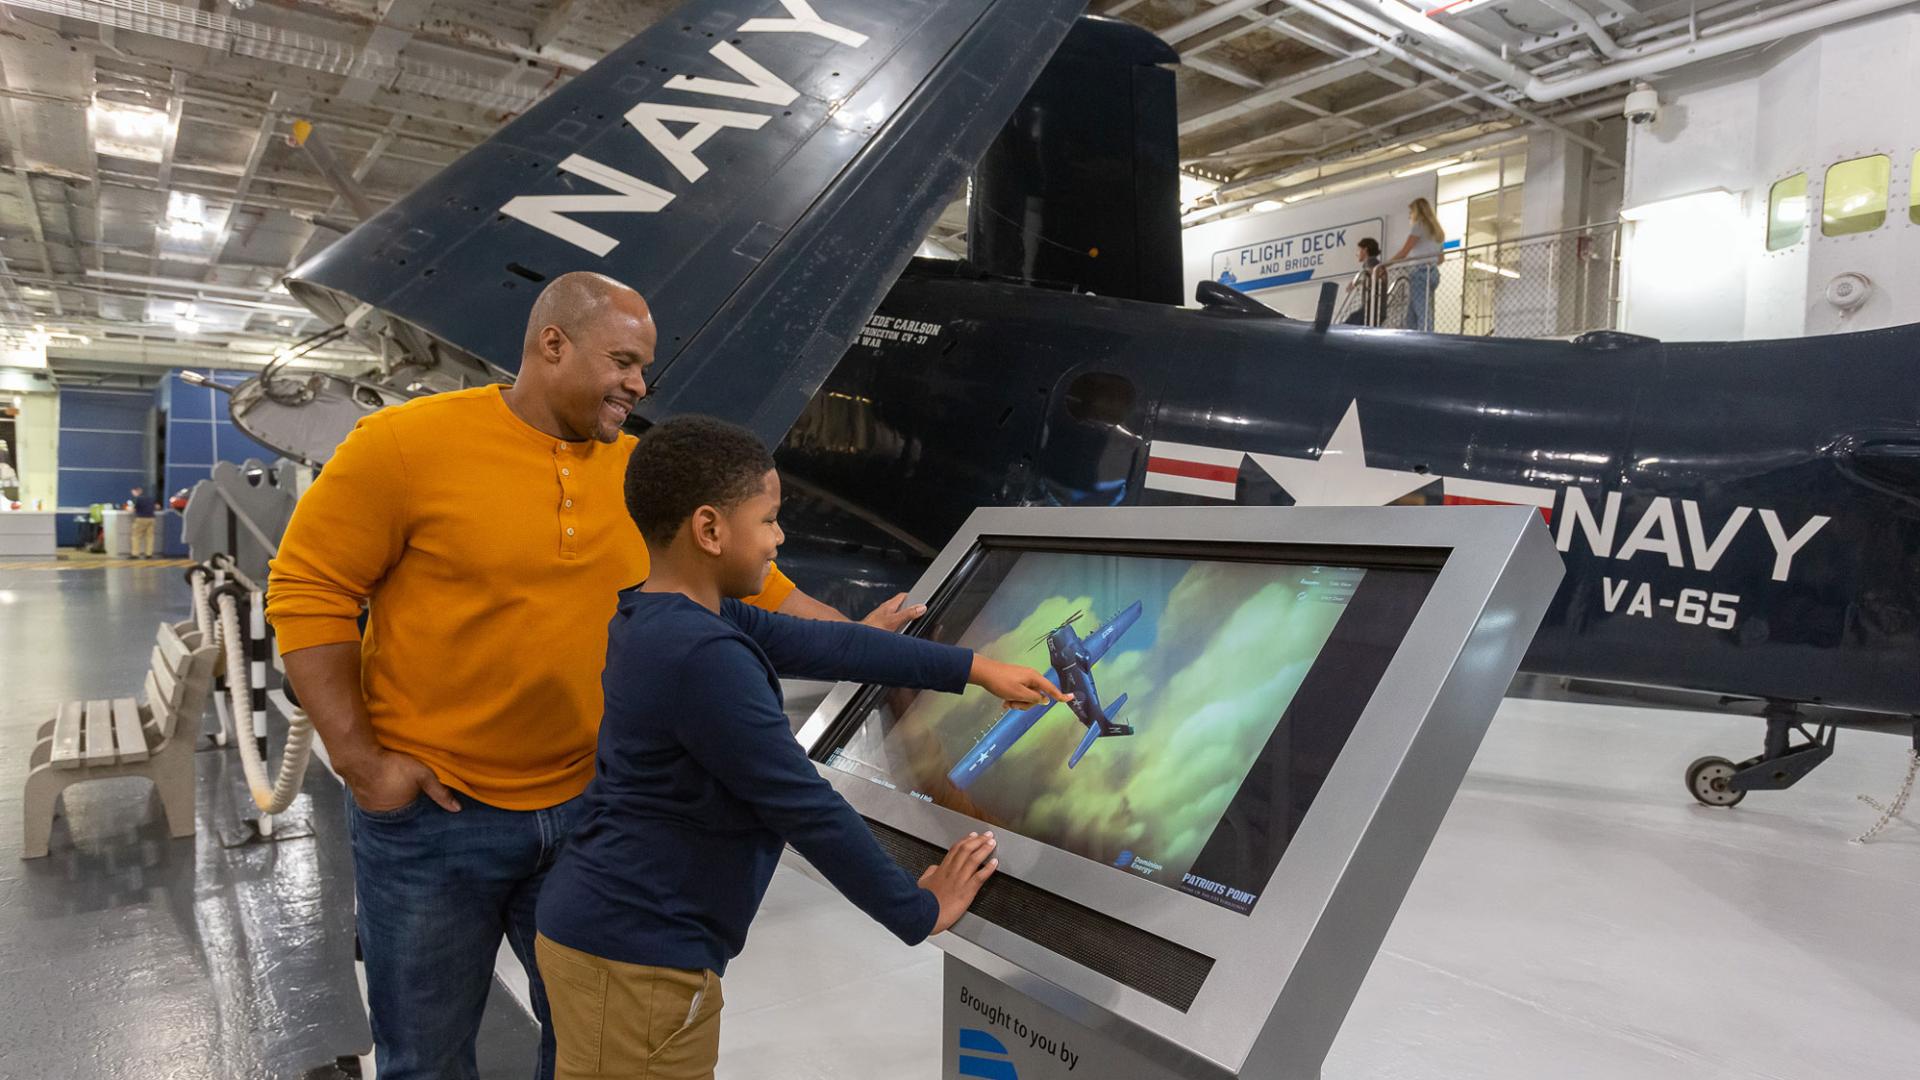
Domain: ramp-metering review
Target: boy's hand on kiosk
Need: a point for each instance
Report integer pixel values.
(1017, 687)
(959, 876)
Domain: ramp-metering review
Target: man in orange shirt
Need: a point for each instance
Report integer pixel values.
(485, 532)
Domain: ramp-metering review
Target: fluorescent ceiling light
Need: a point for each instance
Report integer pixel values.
(125, 130)
(1710, 201)
(1418, 148)
(1267, 205)
(186, 326)
(1462, 166)
(186, 206)
(1426, 166)
(1492, 269)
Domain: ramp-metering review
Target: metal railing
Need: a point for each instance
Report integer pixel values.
(1552, 285)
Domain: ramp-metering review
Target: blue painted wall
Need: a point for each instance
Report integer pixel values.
(103, 450)
(199, 433)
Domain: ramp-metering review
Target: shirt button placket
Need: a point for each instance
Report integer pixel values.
(567, 523)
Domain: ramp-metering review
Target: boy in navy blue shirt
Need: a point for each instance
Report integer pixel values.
(698, 781)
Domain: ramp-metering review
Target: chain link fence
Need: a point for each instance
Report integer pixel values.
(1555, 285)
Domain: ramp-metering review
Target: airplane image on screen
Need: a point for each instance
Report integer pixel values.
(1073, 658)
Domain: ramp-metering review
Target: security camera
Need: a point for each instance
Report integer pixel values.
(1643, 105)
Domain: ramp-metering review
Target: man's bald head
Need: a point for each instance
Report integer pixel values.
(573, 302)
(584, 359)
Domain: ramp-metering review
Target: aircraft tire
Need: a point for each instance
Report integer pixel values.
(1707, 782)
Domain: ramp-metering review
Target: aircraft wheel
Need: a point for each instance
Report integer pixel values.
(1707, 780)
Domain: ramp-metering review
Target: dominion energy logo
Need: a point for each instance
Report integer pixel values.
(975, 1043)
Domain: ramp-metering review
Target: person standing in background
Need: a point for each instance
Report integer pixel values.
(144, 508)
(1371, 285)
(1425, 240)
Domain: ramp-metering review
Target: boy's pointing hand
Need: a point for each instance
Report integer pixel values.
(1016, 686)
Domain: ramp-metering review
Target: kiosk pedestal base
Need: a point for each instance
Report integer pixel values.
(990, 1031)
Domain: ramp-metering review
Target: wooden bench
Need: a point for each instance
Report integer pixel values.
(98, 739)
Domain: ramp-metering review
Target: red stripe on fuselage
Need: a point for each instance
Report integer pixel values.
(1461, 500)
(1198, 471)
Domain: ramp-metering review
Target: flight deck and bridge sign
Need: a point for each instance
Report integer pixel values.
(1290, 260)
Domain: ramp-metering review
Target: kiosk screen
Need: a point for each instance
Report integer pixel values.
(1211, 695)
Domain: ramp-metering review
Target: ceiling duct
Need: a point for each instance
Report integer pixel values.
(240, 37)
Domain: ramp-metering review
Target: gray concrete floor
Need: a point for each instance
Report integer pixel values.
(1578, 916)
(125, 953)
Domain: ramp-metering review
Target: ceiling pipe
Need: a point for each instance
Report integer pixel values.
(1343, 15)
(1641, 42)
(1660, 57)
(1709, 47)
(1437, 34)
(1589, 26)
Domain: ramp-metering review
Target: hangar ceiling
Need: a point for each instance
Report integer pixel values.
(151, 195)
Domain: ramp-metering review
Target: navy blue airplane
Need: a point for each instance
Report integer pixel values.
(1073, 658)
(762, 171)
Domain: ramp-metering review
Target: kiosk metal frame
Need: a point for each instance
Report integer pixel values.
(1282, 977)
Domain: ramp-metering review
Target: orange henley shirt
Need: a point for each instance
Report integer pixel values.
(488, 555)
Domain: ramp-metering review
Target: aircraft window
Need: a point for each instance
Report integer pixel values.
(1787, 212)
(1913, 190)
(1856, 196)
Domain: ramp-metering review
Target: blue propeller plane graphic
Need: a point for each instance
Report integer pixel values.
(1073, 658)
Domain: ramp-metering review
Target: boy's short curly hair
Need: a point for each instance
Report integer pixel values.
(686, 463)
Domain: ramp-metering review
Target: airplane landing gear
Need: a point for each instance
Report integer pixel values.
(1715, 781)
(1708, 779)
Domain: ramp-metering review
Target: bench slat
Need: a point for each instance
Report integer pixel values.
(156, 698)
(168, 687)
(127, 730)
(171, 649)
(99, 747)
(66, 735)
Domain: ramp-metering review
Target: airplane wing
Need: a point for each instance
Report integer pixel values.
(998, 740)
(1098, 642)
(761, 170)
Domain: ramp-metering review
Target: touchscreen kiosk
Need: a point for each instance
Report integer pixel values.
(1201, 851)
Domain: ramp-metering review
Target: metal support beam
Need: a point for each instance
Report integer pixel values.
(560, 18)
(308, 139)
(1265, 145)
(1276, 92)
(278, 103)
(1222, 71)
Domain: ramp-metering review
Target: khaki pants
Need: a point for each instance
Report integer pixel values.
(142, 537)
(628, 1020)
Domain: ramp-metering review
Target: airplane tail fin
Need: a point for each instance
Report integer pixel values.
(1082, 185)
(1093, 732)
(1106, 727)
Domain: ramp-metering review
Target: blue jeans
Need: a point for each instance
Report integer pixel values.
(435, 891)
(1422, 282)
